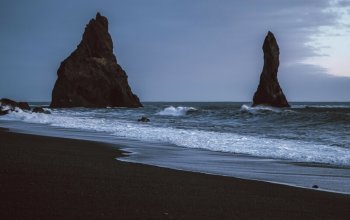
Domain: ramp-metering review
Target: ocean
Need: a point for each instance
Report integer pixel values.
(307, 145)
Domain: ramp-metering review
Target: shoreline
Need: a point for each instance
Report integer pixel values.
(134, 155)
(47, 177)
(129, 154)
(228, 153)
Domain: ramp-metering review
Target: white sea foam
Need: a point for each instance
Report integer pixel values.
(176, 111)
(31, 117)
(294, 150)
(5, 107)
(259, 109)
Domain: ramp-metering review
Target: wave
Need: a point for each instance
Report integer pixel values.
(294, 150)
(259, 109)
(27, 116)
(176, 111)
(329, 106)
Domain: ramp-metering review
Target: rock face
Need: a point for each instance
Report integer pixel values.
(8, 102)
(269, 91)
(91, 76)
(24, 105)
(11, 104)
(143, 119)
(7, 106)
(40, 110)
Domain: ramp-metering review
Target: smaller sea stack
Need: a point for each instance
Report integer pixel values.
(90, 76)
(269, 91)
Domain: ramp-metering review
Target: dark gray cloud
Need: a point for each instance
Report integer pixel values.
(343, 3)
(171, 50)
(312, 83)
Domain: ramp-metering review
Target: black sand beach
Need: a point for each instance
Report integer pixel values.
(55, 178)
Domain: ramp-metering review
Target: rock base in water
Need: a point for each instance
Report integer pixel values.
(7, 106)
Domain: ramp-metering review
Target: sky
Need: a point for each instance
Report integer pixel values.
(183, 50)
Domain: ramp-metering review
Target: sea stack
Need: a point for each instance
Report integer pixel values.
(269, 91)
(91, 76)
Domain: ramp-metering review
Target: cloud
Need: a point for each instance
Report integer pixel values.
(171, 50)
(305, 82)
(342, 3)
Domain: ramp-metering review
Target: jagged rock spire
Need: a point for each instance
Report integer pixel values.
(269, 91)
(91, 76)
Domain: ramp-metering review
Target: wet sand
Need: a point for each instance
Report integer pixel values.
(55, 178)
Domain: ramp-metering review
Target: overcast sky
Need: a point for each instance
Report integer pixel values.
(183, 50)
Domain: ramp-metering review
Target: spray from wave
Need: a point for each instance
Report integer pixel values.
(176, 111)
(259, 109)
(28, 116)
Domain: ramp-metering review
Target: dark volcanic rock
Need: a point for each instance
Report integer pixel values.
(143, 119)
(90, 76)
(24, 105)
(8, 105)
(269, 91)
(8, 102)
(4, 112)
(13, 104)
(40, 110)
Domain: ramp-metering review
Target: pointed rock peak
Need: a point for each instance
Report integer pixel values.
(97, 41)
(270, 38)
(270, 46)
(101, 19)
(99, 22)
(269, 91)
(270, 34)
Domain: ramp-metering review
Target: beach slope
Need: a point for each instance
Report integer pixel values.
(56, 178)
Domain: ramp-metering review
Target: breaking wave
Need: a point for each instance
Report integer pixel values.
(295, 150)
(176, 111)
(259, 109)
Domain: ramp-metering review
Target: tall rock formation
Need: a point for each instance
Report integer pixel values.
(269, 91)
(91, 76)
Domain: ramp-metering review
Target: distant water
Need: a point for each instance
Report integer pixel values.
(308, 134)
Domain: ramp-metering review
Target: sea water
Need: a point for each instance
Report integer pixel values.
(305, 145)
